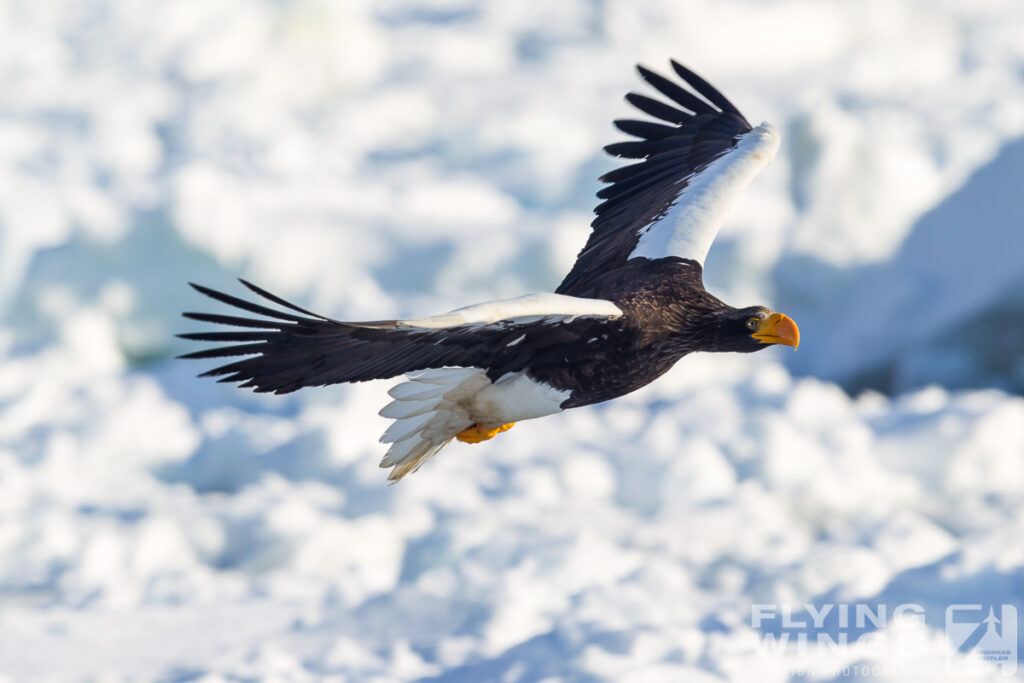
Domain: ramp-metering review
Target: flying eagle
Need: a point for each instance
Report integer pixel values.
(633, 304)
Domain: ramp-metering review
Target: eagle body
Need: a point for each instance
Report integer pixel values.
(666, 314)
(633, 304)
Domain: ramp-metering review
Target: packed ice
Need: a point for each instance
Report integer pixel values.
(401, 159)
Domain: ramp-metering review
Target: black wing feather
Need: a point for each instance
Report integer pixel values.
(234, 321)
(223, 336)
(674, 92)
(641, 193)
(644, 129)
(287, 352)
(706, 89)
(630, 150)
(243, 304)
(658, 110)
(278, 300)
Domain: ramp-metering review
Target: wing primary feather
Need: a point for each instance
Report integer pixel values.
(644, 129)
(658, 110)
(245, 305)
(236, 369)
(632, 149)
(640, 175)
(706, 89)
(233, 320)
(225, 336)
(281, 302)
(672, 144)
(225, 351)
(622, 172)
(675, 92)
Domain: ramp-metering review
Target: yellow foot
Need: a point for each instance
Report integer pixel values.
(478, 433)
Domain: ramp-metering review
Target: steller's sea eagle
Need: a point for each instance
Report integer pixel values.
(633, 304)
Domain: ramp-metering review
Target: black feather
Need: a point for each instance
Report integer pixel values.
(644, 129)
(658, 110)
(278, 300)
(223, 351)
(243, 304)
(631, 149)
(623, 172)
(706, 89)
(232, 320)
(639, 193)
(225, 336)
(674, 92)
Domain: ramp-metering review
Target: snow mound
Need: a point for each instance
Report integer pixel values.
(947, 308)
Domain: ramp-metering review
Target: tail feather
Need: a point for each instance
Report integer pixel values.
(445, 378)
(429, 410)
(414, 459)
(416, 390)
(402, 429)
(397, 410)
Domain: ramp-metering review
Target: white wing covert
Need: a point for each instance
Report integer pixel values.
(693, 167)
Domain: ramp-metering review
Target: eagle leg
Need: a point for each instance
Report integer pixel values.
(479, 432)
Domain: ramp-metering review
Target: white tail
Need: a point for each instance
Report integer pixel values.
(429, 410)
(433, 406)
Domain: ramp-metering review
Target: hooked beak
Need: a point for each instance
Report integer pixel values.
(778, 329)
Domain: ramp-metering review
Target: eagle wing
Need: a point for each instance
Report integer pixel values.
(286, 350)
(693, 167)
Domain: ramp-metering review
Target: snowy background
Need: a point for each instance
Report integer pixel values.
(388, 158)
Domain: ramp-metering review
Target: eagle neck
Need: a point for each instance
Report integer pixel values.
(708, 330)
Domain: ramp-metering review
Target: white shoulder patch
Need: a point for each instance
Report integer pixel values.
(689, 227)
(529, 305)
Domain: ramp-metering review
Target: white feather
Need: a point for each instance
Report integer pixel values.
(689, 227)
(435, 405)
(404, 453)
(415, 390)
(414, 459)
(516, 397)
(399, 409)
(428, 415)
(405, 427)
(401, 450)
(540, 305)
(444, 376)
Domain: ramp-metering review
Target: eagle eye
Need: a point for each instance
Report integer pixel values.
(752, 323)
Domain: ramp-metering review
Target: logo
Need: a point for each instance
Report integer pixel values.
(860, 640)
(984, 638)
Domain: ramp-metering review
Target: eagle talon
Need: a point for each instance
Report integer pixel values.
(478, 432)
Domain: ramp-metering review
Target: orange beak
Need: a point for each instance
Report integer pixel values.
(778, 329)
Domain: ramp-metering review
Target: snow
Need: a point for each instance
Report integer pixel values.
(947, 307)
(397, 159)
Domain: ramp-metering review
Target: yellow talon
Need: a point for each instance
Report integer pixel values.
(478, 432)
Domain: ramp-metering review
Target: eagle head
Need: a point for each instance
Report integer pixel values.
(742, 330)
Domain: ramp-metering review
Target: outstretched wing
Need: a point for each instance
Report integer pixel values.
(287, 350)
(693, 167)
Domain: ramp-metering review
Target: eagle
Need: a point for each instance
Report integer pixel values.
(633, 304)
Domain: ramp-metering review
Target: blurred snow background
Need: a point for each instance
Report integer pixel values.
(374, 159)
